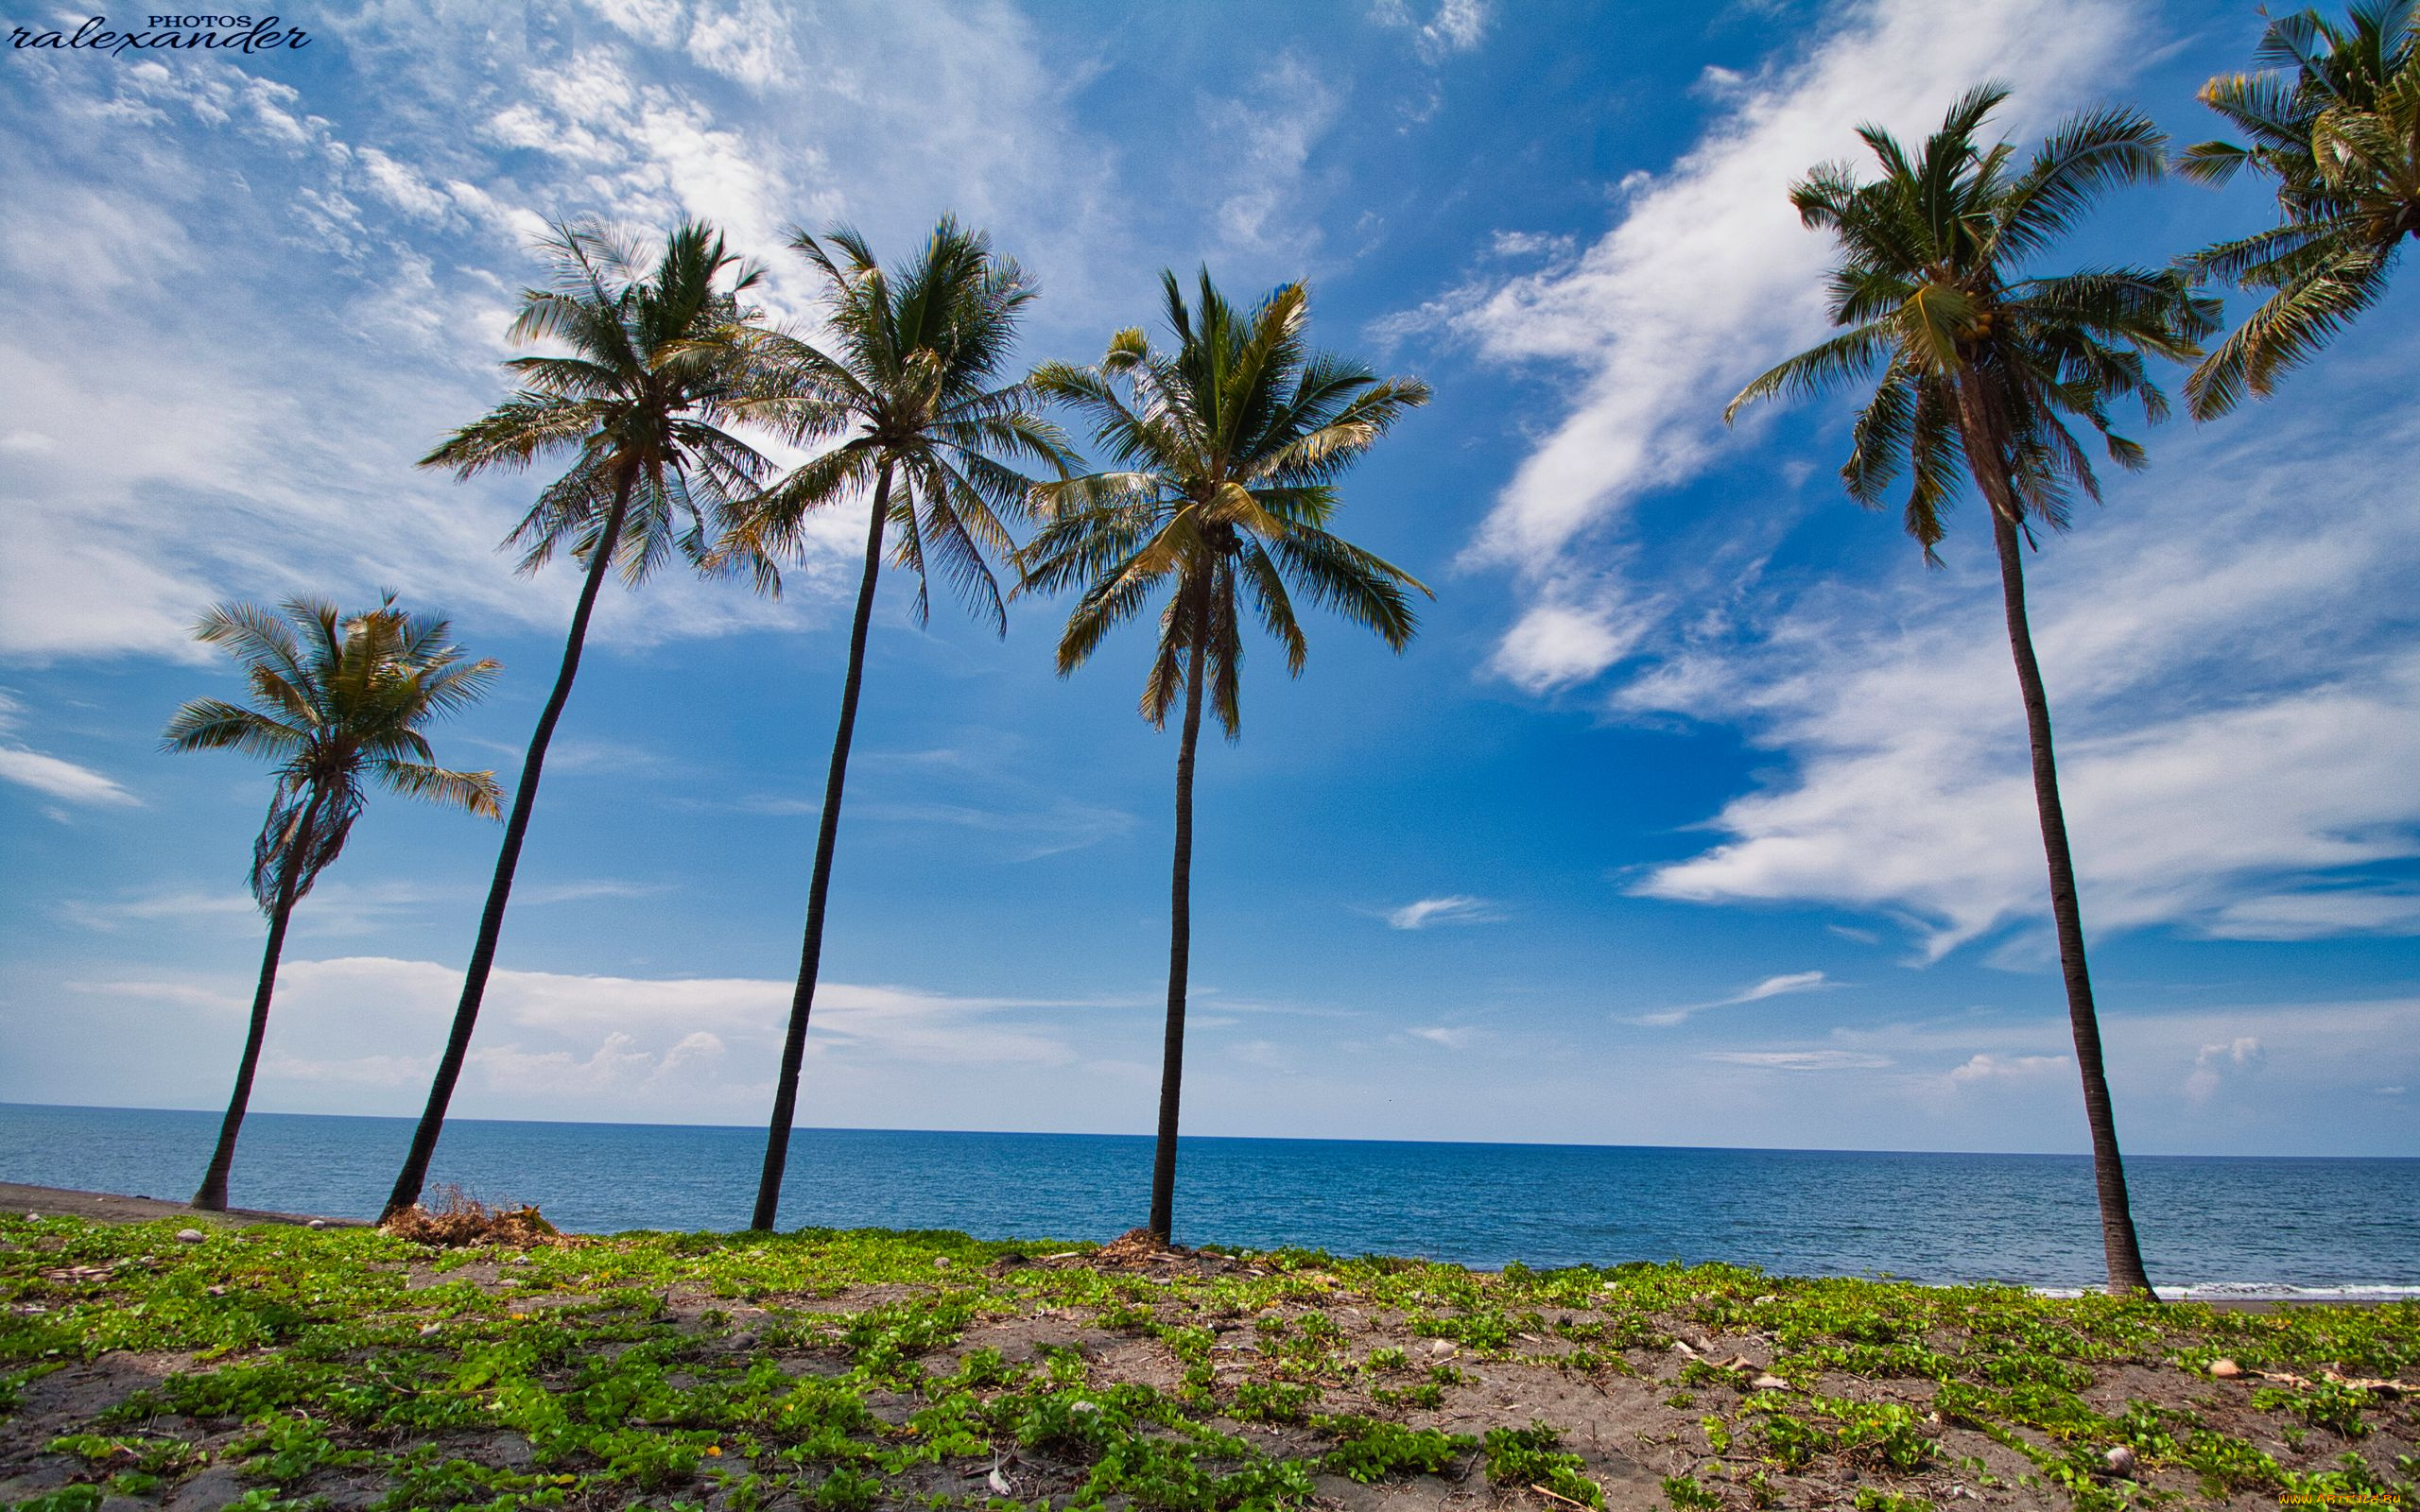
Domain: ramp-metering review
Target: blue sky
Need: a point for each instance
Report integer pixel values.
(1697, 814)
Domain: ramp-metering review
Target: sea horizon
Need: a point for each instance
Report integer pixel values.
(2131, 1156)
(2215, 1224)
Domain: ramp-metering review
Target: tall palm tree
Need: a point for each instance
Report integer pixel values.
(1227, 452)
(336, 699)
(2334, 118)
(657, 363)
(1983, 365)
(914, 396)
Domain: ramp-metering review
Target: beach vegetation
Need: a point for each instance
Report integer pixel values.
(844, 1367)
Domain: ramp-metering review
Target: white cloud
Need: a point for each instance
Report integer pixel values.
(1451, 1039)
(1453, 25)
(2212, 1065)
(62, 779)
(1458, 908)
(2238, 712)
(1272, 128)
(1986, 1067)
(1797, 1059)
(1772, 986)
(1708, 276)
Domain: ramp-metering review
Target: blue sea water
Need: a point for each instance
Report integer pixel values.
(2207, 1224)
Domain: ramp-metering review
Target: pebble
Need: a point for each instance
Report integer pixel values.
(2121, 1461)
(1440, 1346)
(2226, 1369)
(1770, 1382)
(33, 1217)
(189, 1236)
(317, 1223)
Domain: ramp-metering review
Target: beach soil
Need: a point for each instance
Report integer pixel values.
(266, 1365)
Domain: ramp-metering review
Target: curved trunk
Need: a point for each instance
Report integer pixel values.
(1179, 936)
(2119, 1244)
(827, 834)
(213, 1196)
(475, 980)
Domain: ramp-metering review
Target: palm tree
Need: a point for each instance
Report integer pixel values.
(2335, 120)
(1982, 365)
(914, 397)
(336, 699)
(658, 363)
(1227, 450)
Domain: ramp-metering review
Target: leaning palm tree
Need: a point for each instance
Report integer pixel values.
(2334, 118)
(1985, 365)
(657, 364)
(914, 397)
(337, 700)
(1227, 452)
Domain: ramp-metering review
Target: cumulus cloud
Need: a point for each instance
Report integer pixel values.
(2212, 1065)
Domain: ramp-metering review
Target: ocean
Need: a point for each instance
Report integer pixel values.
(2209, 1227)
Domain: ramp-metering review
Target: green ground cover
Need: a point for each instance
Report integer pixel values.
(283, 1367)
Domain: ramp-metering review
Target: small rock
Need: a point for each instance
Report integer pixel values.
(427, 1329)
(189, 1236)
(2121, 1461)
(317, 1223)
(998, 1481)
(1440, 1346)
(1682, 1346)
(941, 1263)
(2226, 1369)
(1770, 1382)
(1084, 1406)
(33, 1217)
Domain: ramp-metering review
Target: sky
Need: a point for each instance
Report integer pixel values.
(1698, 813)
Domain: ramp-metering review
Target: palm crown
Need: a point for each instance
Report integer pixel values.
(337, 700)
(1227, 452)
(914, 394)
(1971, 352)
(657, 366)
(2334, 118)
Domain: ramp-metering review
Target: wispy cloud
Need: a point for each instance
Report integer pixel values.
(1797, 1059)
(1450, 26)
(52, 776)
(1458, 908)
(1705, 277)
(2238, 704)
(1772, 986)
(1445, 1035)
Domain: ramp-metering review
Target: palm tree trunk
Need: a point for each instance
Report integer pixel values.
(1180, 938)
(213, 1196)
(2118, 1238)
(475, 981)
(2119, 1244)
(827, 834)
